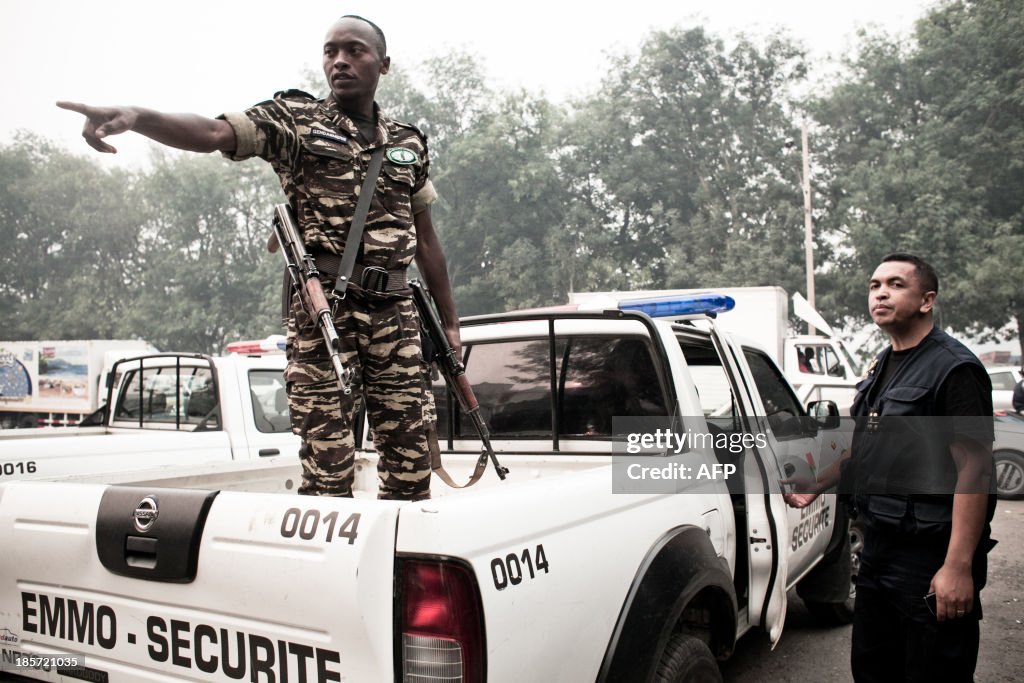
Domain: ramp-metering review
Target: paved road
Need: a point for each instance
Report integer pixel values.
(809, 653)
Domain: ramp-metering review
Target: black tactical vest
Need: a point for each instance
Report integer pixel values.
(901, 447)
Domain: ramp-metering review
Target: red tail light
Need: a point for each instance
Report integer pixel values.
(442, 628)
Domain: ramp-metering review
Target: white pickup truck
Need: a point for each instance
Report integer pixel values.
(588, 563)
(168, 410)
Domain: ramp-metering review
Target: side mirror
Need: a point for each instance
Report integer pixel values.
(825, 413)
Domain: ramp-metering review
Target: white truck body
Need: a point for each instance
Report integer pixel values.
(569, 570)
(243, 396)
(54, 383)
(761, 316)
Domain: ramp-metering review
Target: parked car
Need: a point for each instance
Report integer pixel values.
(1008, 451)
(1004, 378)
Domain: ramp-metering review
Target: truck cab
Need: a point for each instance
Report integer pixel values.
(821, 368)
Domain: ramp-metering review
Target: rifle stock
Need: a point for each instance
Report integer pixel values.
(306, 281)
(454, 373)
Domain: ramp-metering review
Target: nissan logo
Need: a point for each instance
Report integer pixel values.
(145, 514)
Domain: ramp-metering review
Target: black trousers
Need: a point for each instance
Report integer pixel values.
(897, 639)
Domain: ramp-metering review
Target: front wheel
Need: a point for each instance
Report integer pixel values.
(687, 659)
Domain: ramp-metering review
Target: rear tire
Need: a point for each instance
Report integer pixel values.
(687, 659)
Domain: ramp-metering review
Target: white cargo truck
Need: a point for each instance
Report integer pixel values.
(639, 533)
(57, 383)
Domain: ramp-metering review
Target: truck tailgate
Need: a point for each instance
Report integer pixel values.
(270, 587)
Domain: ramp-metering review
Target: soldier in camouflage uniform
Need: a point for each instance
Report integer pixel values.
(320, 150)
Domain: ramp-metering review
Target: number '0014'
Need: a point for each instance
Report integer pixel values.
(306, 524)
(514, 567)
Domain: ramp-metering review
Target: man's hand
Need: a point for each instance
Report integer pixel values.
(101, 122)
(954, 591)
(799, 500)
(191, 132)
(804, 492)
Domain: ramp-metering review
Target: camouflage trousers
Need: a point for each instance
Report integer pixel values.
(380, 343)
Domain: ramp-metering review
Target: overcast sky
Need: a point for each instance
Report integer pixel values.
(220, 55)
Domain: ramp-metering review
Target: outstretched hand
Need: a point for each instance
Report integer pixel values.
(101, 122)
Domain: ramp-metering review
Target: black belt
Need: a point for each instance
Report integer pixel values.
(368, 278)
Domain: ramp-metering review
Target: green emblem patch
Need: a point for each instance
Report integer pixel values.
(402, 156)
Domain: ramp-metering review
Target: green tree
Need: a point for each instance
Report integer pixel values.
(925, 141)
(206, 275)
(501, 209)
(680, 160)
(70, 232)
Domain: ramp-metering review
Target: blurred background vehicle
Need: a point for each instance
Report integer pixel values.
(1004, 378)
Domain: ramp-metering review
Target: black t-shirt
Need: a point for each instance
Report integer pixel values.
(888, 370)
(963, 397)
(367, 126)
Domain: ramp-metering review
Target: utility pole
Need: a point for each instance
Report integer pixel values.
(808, 226)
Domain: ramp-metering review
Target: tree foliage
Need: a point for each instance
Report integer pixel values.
(925, 143)
(206, 275)
(175, 255)
(681, 159)
(677, 171)
(66, 227)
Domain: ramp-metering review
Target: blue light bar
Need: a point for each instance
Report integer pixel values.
(709, 304)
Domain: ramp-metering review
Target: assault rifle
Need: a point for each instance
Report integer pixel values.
(455, 377)
(305, 280)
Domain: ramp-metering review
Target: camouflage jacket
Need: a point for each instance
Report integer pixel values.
(316, 152)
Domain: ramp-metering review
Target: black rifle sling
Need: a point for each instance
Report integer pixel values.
(355, 231)
(355, 235)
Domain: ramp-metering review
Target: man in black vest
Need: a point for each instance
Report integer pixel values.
(920, 477)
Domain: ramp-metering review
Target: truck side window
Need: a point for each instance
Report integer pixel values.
(269, 401)
(1002, 381)
(717, 400)
(594, 378)
(512, 382)
(819, 359)
(600, 378)
(780, 403)
(165, 399)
